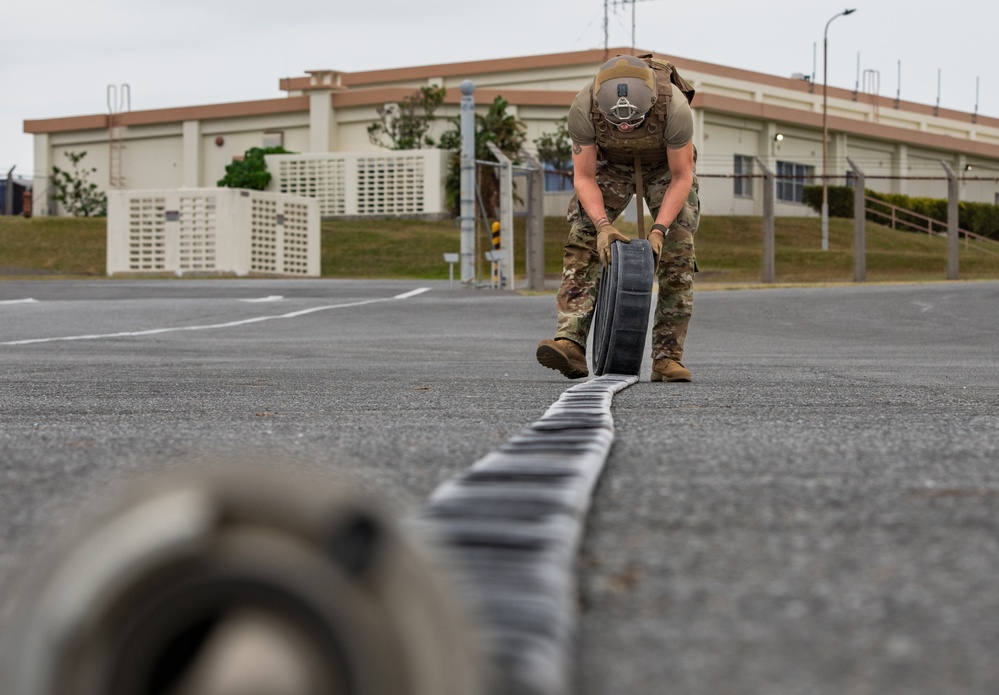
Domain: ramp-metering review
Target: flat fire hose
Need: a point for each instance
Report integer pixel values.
(514, 523)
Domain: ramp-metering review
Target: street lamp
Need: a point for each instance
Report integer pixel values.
(825, 129)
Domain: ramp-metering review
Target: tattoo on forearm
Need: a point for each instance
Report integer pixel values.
(576, 148)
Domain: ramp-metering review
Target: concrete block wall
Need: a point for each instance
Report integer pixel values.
(212, 230)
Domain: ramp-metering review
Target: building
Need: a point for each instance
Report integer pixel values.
(743, 119)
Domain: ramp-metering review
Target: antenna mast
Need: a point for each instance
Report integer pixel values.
(607, 22)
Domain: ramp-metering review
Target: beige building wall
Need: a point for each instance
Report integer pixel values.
(735, 112)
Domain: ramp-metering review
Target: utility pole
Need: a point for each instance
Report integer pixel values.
(825, 128)
(467, 181)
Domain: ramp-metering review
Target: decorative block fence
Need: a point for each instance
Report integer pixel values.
(405, 182)
(212, 230)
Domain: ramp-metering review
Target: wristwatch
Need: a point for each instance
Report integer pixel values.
(662, 228)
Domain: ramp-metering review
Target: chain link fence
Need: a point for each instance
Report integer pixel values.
(903, 229)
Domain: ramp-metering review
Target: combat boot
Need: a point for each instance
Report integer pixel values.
(563, 356)
(667, 369)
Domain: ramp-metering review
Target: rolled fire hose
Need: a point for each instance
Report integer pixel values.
(239, 583)
(621, 317)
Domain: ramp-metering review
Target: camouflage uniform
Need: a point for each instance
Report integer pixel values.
(577, 296)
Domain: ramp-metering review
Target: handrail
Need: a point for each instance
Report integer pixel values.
(895, 210)
(930, 221)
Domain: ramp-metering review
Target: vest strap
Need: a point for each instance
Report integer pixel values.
(639, 197)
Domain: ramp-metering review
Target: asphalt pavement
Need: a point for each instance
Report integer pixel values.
(815, 513)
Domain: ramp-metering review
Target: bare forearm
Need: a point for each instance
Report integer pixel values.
(681, 170)
(673, 200)
(591, 199)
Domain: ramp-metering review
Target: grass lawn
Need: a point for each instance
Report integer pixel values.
(729, 250)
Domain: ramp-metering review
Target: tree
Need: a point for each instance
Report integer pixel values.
(407, 125)
(250, 171)
(496, 126)
(555, 150)
(79, 196)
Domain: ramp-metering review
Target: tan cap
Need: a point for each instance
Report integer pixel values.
(624, 88)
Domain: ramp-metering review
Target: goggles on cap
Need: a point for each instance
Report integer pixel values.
(624, 115)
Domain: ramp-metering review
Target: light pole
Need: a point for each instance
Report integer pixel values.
(825, 129)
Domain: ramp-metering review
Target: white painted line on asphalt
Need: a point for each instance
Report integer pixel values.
(228, 324)
(412, 293)
(28, 300)
(272, 298)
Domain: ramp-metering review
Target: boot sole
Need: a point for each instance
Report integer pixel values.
(656, 376)
(553, 359)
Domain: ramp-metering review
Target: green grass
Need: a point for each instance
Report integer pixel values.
(70, 246)
(728, 250)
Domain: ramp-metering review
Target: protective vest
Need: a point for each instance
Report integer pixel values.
(648, 143)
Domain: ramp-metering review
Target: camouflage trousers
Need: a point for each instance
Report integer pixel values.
(581, 267)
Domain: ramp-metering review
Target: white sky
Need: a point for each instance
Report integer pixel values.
(57, 57)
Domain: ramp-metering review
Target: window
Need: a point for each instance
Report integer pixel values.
(556, 180)
(791, 179)
(273, 139)
(742, 185)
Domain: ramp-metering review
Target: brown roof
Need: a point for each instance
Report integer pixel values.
(783, 114)
(367, 88)
(173, 115)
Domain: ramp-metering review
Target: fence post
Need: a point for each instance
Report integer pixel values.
(505, 213)
(467, 181)
(859, 222)
(8, 203)
(952, 221)
(535, 231)
(768, 221)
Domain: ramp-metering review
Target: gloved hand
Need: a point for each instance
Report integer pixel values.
(607, 235)
(656, 238)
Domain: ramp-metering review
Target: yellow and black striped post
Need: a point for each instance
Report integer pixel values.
(496, 247)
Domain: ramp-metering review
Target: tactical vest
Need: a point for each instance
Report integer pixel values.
(648, 142)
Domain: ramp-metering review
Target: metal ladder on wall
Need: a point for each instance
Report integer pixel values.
(119, 102)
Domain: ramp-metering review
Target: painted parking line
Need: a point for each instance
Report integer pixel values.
(27, 300)
(216, 326)
(271, 298)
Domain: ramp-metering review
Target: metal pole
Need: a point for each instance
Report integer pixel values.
(8, 203)
(768, 221)
(825, 130)
(859, 223)
(467, 181)
(952, 222)
(506, 214)
(535, 225)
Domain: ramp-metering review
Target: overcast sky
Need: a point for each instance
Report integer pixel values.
(57, 57)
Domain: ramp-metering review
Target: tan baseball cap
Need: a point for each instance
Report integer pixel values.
(624, 88)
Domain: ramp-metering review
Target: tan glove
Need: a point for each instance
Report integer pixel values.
(656, 238)
(607, 235)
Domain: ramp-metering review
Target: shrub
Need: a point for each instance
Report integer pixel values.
(250, 171)
(840, 200)
(78, 195)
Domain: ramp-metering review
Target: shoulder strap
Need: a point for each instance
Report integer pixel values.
(685, 87)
